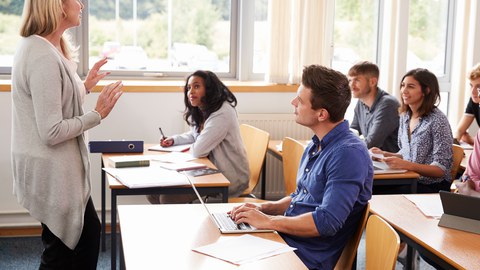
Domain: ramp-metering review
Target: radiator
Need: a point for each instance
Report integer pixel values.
(279, 126)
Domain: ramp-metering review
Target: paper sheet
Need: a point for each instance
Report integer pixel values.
(139, 177)
(431, 206)
(173, 148)
(174, 157)
(244, 249)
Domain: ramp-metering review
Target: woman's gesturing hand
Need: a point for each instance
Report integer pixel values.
(108, 98)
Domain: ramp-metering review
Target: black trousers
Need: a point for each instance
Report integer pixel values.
(56, 255)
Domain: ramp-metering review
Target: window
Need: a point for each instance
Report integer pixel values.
(164, 37)
(167, 38)
(10, 20)
(355, 33)
(430, 24)
(427, 35)
(260, 37)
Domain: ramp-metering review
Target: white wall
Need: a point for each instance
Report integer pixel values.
(137, 116)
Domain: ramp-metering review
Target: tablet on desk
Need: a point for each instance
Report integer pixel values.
(460, 212)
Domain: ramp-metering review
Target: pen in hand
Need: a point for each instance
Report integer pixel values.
(161, 132)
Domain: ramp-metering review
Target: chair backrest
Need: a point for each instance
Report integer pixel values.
(292, 151)
(382, 243)
(256, 143)
(457, 159)
(350, 250)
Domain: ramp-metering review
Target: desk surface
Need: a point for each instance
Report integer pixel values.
(211, 180)
(162, 237)
(272, 148)
(459, 249)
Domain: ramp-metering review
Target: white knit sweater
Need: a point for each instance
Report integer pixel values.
(50, 162)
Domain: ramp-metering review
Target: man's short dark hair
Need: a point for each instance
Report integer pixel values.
(330, 90)
(364, 68)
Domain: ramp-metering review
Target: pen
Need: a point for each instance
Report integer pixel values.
(161, 132)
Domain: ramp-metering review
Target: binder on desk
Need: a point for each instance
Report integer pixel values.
(115, 146)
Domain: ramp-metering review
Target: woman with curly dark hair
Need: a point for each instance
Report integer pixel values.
(215, 132)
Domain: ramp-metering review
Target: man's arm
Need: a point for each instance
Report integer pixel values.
(302, 225)
(462, 126)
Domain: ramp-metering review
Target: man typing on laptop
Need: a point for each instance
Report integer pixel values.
(334, 180)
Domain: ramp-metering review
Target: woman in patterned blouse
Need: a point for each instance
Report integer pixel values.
(424, 136)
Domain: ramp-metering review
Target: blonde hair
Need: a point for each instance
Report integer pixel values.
(474, 72)
(42, 17)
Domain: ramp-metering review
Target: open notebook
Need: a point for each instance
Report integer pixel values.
(223, 221)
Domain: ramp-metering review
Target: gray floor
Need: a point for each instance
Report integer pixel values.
(23, 253)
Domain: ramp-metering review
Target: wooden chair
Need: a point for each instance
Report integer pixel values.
(292, 151)
(382, 243)
(457, 159)
(349, 253)
(256, 143)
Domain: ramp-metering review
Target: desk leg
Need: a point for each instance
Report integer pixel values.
(410, 258)
(122, 258)
(225, 195)
(264, 179)
(113, 222)
(103, 208)
(414, 187)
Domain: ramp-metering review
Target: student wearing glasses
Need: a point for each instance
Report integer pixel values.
(214, 133)
(334, 180)
(424, 135)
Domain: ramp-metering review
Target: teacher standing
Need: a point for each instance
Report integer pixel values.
(50, 162)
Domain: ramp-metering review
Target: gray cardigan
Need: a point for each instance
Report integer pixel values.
(50, 163)
(220, 140)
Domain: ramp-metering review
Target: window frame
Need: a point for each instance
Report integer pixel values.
(241, 47)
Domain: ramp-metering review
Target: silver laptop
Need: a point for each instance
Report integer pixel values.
(460, 212)
(380, 167)
(223, 221)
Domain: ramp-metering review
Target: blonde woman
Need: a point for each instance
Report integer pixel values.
(50, 162)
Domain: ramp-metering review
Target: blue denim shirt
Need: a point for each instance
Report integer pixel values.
(334, 184)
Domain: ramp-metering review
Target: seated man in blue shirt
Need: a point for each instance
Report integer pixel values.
(334, 179)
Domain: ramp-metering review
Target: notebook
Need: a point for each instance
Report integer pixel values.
(460, 212)
(223, 221)
(380, 167)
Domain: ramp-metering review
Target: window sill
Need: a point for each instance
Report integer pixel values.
(142, 86)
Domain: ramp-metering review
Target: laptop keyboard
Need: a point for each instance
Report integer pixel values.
(228, 223)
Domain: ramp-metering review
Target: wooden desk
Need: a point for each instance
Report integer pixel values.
(408, 178)
(451, 249)
(162, 237)
(207, 184)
